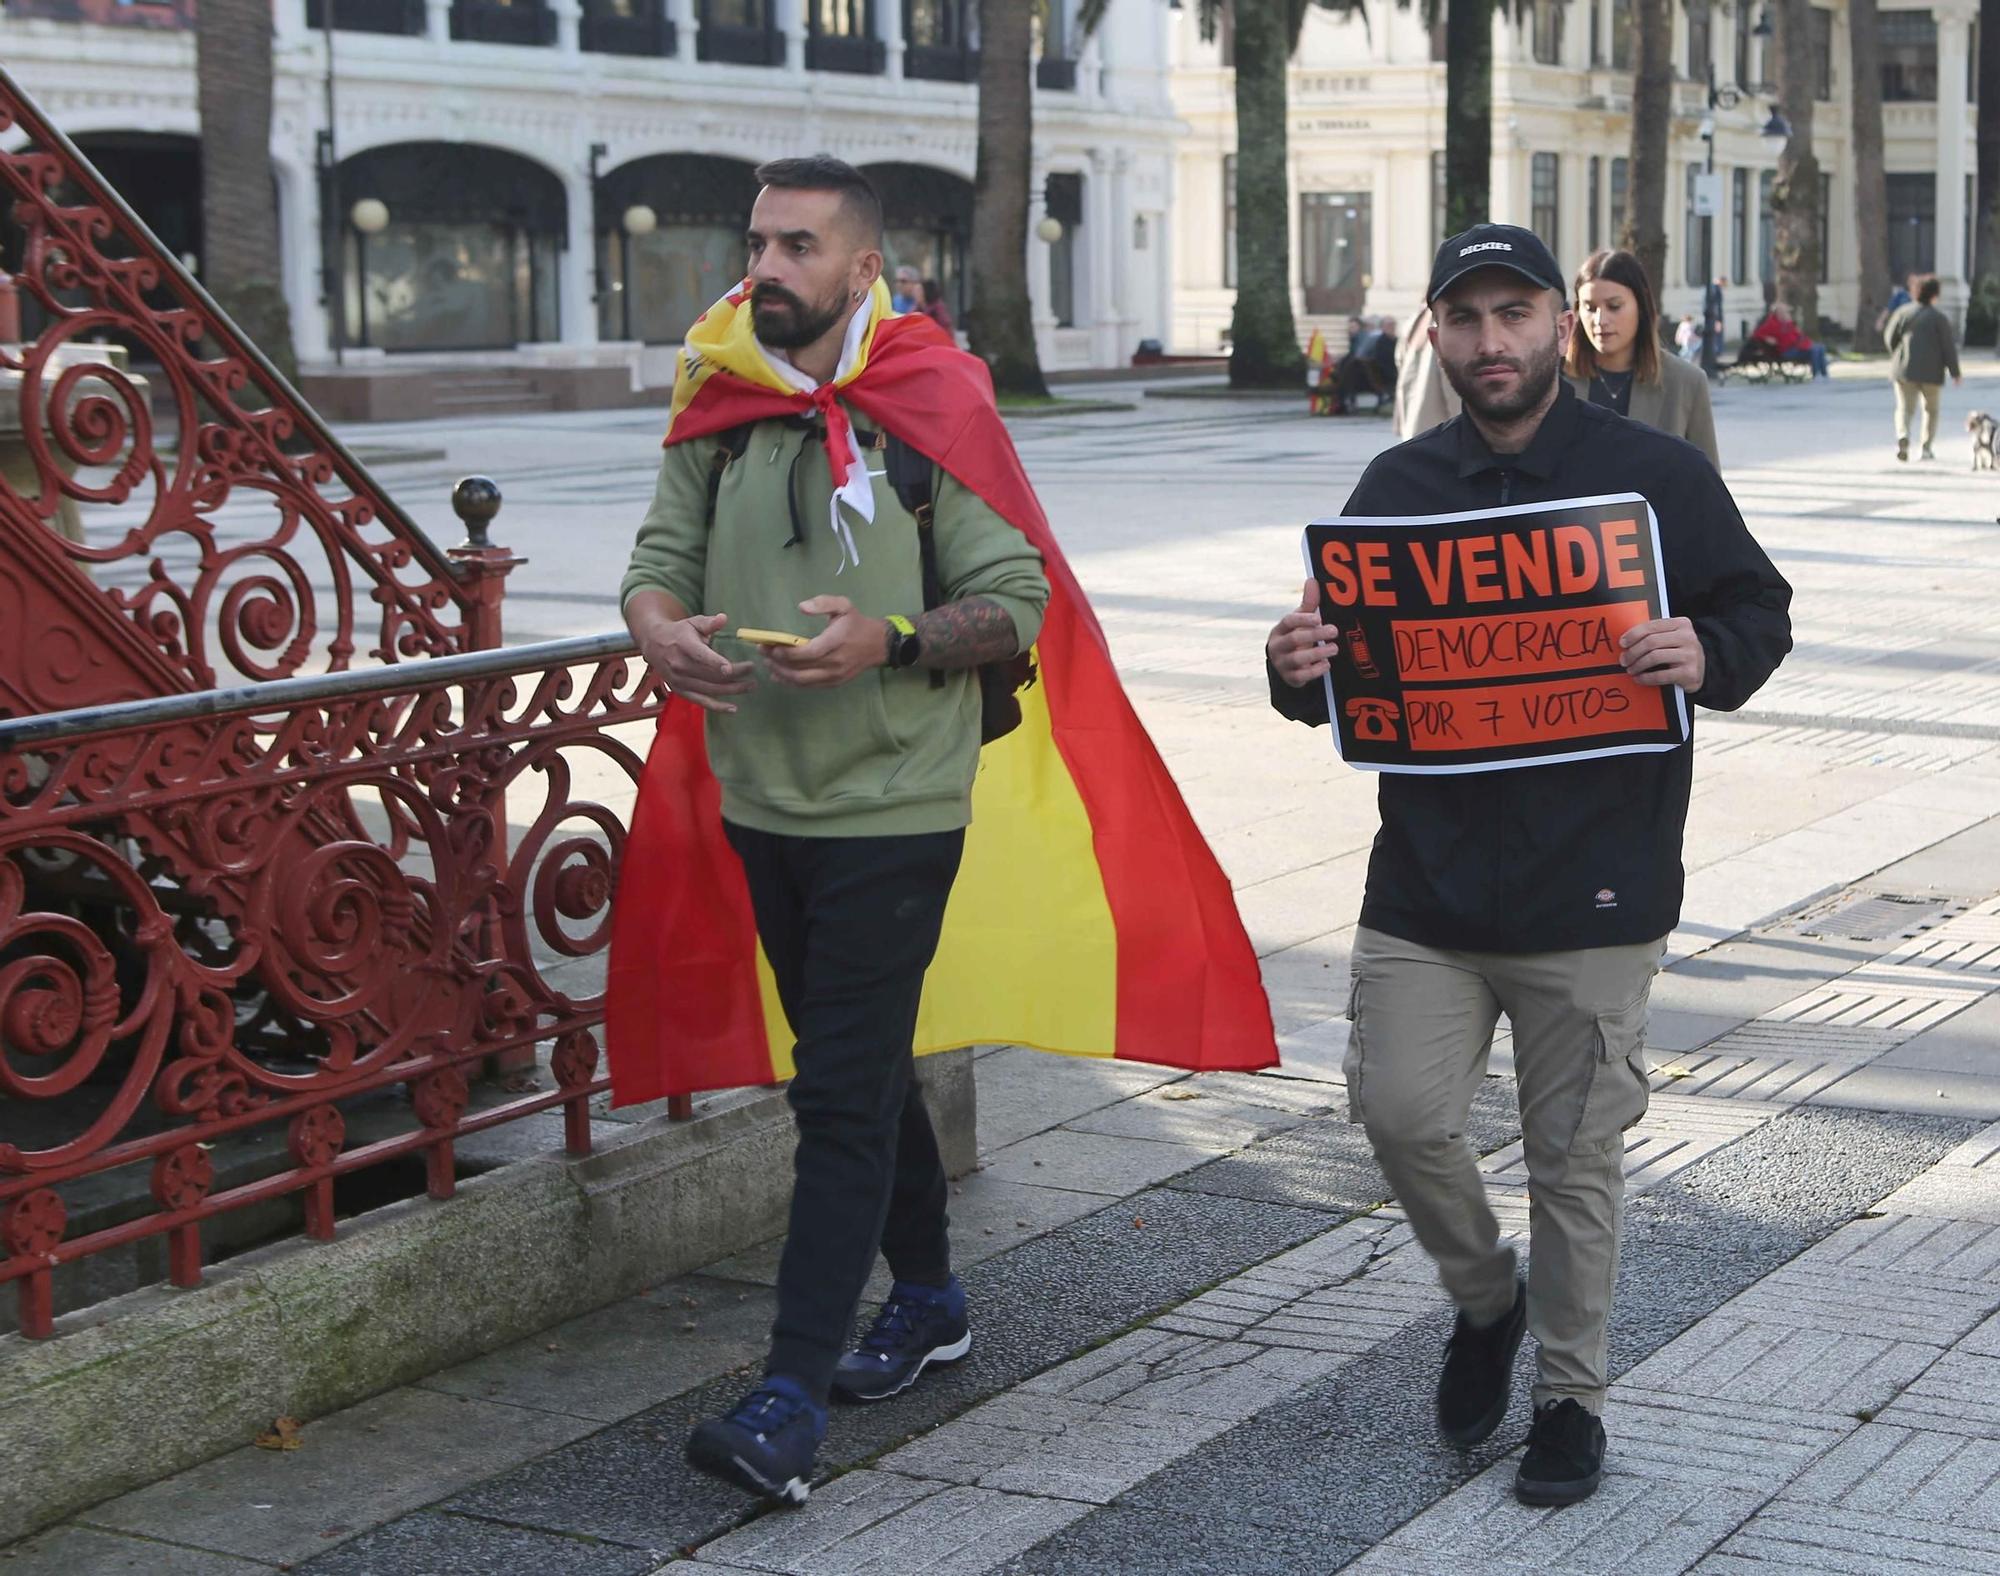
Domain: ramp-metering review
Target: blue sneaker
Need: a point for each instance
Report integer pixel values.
(767, 1444)
(918, 1326)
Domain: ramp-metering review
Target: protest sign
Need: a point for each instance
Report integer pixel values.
(1487, 640)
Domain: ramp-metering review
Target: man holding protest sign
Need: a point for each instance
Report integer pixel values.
(1594, 578)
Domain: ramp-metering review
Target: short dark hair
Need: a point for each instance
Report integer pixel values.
(1928, 288)
(822, 172)
(1618, 268)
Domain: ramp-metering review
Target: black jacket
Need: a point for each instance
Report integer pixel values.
(1522, 860)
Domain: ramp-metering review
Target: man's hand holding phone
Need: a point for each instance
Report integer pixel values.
(679, 650)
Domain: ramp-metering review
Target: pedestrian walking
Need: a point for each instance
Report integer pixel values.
(1615, 359)
(1687, 338)
(1714, 307)
(1901, 294)
(1546, 892)
(1922, 351)
(908, 294)
(934, 306)
(850, 841)
(849, 587)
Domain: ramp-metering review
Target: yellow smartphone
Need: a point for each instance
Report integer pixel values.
(769, 637)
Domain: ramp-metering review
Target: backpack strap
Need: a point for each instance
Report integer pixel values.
(910, 477)
(729, 448)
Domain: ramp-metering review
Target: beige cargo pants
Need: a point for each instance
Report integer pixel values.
(1423, 1025)
(1907, 397)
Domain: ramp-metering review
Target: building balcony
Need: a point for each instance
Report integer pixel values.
(404, 18)
(501, 22)
(935, 63)
(1055, 76)
(742, 46)
(645, 31)
(847, 52)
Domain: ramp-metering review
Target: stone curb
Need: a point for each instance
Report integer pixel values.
(151, 1383)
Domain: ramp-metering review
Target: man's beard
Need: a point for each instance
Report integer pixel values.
(1535, 376)
(784, 322)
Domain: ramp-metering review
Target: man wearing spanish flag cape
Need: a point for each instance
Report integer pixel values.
(800, 897)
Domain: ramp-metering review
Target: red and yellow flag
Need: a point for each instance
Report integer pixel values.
(1089, 916)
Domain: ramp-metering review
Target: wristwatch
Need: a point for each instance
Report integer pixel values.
(905, 644)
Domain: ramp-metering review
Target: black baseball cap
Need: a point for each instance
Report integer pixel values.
(1494, 246)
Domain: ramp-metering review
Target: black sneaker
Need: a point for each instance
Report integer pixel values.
(918, 1326)
(1565, 1456)
(767, 1444)
(1478, 1377)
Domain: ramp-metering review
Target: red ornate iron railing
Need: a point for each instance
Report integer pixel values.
(288, 971)
(234, 913)
(232, 534)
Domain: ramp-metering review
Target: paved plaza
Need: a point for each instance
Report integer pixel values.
(1203, 1339)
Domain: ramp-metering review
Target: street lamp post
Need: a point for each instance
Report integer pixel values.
(599, 242)
(1724, 97)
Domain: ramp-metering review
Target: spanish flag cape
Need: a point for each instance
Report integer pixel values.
(1089, 917)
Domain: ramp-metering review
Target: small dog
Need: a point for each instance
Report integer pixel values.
(1984, 430)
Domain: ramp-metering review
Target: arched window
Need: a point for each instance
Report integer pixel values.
(927, 222)
(659, 281)
(468, 257)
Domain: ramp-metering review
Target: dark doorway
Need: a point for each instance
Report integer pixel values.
(1335, 239)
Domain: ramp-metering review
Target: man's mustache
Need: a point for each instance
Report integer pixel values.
(1505, 363)
(775, 295)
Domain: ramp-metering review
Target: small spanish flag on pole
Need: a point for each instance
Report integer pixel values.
(1319, 376)
(1089, 916)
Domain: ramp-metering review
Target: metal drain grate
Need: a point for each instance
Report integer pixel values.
(1874, 916)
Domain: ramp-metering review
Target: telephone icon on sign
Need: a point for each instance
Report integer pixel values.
(1374, 720)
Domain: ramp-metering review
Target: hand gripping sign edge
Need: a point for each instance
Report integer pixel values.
(1511, 659)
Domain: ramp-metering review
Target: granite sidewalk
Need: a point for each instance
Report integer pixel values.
(1203, 1341)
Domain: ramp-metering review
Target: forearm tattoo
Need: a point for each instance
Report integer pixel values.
(966, 634)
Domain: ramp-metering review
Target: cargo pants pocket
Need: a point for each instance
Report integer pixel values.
(1350, 1063)
(1620, 1087)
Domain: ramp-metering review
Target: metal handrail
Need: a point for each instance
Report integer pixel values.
(283, 694)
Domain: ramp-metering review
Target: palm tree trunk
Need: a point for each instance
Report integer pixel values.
(1871, 185)
(1468, 114)
(1000, 322)
(1795, 192)
(1263, 337)
(239, 206)
(1652, 108)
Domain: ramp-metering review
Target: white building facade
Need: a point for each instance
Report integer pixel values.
(565, 182)
(1367, 119)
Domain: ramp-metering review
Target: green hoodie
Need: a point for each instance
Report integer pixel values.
(886, 753)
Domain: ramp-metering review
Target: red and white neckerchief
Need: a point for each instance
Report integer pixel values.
(851, 483)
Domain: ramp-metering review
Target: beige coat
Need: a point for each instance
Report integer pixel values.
(1677, 404)
(1423, 398)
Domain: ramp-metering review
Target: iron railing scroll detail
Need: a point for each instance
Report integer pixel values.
(214, 923)
(289, 852)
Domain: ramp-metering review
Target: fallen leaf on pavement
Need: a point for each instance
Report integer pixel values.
(286, 1433)
(1178, 1093)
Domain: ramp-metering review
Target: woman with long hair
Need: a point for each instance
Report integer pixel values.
(1615, 360)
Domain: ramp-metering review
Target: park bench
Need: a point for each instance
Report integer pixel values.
(1758, 363)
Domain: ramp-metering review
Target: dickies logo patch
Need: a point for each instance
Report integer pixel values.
(1606, 898)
